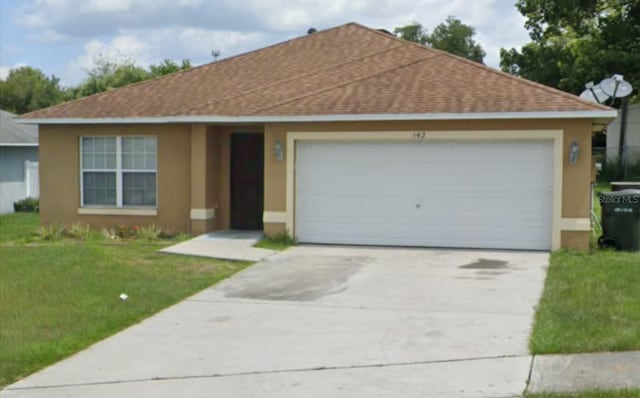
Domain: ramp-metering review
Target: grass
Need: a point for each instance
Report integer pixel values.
(597, 228)
(591, 303)
(19, 227)
(277, 242)
(57, 298)
(590, 394)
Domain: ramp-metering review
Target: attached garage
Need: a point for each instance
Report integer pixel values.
(453, 189)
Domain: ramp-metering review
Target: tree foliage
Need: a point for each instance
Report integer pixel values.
(414, 32)
(168, 66)
(575, 41)
(108, 74)
(457, 38)
(27, 89)
(451, 36)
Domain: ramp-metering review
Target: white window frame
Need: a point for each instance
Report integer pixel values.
(119, 173)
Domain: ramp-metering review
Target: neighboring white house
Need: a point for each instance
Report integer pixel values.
(632, 135)
(18, 161)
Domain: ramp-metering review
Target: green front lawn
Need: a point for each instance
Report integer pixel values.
(591, 303)
(57, 298)
(18, 227)
(589, 394)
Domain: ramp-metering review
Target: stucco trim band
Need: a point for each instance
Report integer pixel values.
(556, 136)
(274, 216)
(203, 214)
(117, 212)
(576, 224)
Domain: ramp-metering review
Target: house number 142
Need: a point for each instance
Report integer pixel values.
(419, 135)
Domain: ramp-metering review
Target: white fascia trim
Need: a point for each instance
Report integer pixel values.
(203, 214)
(29, 144)
(612, 114)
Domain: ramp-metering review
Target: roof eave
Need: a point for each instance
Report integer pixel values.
(596, 115)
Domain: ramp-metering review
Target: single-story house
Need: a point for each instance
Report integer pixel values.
(632, 135)
(348, 135)
(18, 161)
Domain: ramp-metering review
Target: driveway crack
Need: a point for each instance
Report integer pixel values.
(347, 307)
(266, 372)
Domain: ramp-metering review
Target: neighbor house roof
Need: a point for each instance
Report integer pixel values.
(335, 74)
(14, 134)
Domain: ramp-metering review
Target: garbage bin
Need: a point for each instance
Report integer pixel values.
(620, 219)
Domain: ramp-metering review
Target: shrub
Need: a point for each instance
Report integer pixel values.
(611, 171)
(147, 233)
(28, 205)
(52, 232)
(124, 231)
(276, 242)
(110, 234)
(78, 231)
(282, 239)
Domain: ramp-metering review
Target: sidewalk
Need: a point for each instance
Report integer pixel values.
(579, 372)
(225, 245)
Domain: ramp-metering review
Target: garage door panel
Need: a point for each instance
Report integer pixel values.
(453, 194)
(396, 235)
(437, 206)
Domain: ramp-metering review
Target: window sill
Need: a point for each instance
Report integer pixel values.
(112, 211)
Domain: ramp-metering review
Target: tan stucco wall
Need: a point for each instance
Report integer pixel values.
(274, 228)
(210, 188)
(223, 212)
(575, 240)
(194, 169)
(576, 178)
(203, 172)
(60, 175)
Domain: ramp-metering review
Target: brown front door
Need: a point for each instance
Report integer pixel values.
(247, 180)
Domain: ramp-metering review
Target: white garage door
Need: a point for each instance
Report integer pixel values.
(438, 194)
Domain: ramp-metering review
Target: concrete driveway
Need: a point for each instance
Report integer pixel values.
(326, 322)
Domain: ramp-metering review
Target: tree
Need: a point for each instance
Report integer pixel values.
(27, 89)
(575, 41)
(451, 36)
(168, 66)
(413, 32)
(456, 38)
(110, 73)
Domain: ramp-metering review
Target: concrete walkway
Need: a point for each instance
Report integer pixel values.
(225, 245)
(579, 372)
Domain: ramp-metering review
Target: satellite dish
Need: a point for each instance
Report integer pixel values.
(594, 93)
(616, 87)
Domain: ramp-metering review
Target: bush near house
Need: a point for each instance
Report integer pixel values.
(612, 171)
(276, 242)
(28, 205)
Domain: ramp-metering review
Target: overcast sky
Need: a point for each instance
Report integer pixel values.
(63, 37)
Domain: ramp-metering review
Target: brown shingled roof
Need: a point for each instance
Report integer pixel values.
(347, 70)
